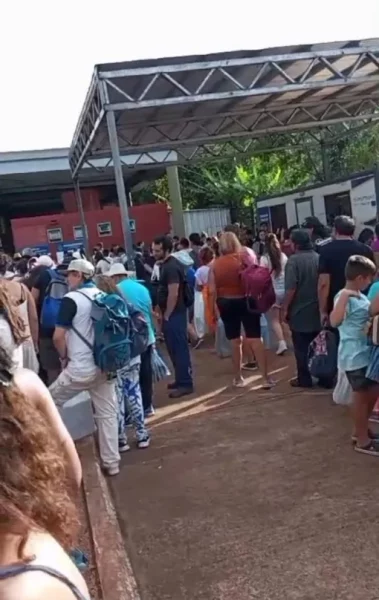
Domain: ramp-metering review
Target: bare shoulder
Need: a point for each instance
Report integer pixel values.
(40, 585)
(36, 585)
(29, 383)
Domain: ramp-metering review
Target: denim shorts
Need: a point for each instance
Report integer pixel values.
(358, 380)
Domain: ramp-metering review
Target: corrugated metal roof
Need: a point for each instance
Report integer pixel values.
(183, 103)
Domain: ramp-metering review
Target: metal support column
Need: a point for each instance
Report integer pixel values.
(120, 185)
(176, 201)
(82, 217)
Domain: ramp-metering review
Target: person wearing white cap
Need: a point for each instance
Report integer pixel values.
(79, 372)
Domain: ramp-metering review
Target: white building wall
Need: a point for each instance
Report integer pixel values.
(362, 197)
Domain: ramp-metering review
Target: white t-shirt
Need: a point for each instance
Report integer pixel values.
(155, 273)
(202, 275)
(103, 265)
(81, 362)
(277, 281)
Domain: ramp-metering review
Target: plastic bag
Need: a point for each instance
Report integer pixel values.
(223, 347)
(342, 393)
(199, 315)
(159, 367)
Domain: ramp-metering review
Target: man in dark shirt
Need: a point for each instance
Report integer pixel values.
(300, 305)
(333, 259)
(40, 278)
(196, 246)
(174, 315)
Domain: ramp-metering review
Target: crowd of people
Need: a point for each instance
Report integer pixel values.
(307, 279)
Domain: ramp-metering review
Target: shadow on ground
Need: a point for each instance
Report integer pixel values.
(248, 494)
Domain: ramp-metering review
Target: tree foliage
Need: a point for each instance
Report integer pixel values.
(237, 181)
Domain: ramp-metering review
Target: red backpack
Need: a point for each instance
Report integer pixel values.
(258, 286)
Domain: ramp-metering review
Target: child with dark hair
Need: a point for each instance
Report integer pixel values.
(351, 314)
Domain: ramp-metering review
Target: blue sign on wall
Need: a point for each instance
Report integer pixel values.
(264, 215)
(41, 249)
(70, 246)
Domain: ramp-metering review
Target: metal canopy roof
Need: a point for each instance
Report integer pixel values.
(189, 103)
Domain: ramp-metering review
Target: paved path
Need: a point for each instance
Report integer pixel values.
(250, 495)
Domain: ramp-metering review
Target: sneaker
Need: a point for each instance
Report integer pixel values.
(180, 392)
(239, 382)
(372, 448)
(296, 384)
(142, 444)
(150, 412)
(124, 447)
(250, 366)
(282, 347)
(111, 471)
(269, 384)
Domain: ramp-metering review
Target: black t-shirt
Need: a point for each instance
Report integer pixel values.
(333, 258)
(67, 312)
(171, 271)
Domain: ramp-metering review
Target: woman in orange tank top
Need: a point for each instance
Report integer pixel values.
(229, 296)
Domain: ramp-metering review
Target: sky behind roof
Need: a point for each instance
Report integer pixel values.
(48, 49)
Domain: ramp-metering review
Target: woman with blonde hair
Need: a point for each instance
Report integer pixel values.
(275, 260)
(229, 294)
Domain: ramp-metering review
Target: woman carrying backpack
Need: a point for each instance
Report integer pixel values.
(275, 260)
(229, 295)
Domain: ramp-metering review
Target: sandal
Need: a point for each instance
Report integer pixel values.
(372, 448)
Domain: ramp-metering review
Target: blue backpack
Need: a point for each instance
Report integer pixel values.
(121, 332)
(55, 291)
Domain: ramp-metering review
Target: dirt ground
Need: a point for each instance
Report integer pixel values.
(248, 494)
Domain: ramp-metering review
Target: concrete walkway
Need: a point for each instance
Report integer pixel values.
(247, 494)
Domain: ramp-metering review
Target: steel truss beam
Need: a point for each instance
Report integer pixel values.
(299, 91)
(314, 71)
(303, 140)
(229, 126)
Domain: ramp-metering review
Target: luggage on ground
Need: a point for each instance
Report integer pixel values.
(322, 355)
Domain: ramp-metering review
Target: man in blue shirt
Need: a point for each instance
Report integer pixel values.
(137, 294)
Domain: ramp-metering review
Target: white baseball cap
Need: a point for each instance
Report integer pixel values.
(116, 269)
(81, 265)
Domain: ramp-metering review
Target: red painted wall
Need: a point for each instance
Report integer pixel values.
(151, 220)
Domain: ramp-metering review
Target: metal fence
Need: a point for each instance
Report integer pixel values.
(210, 220)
